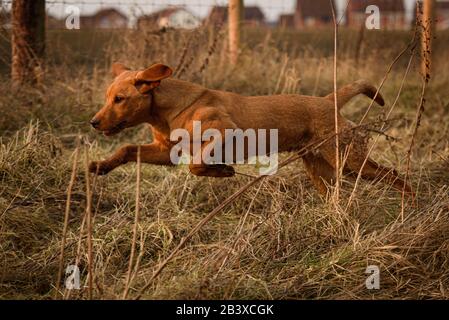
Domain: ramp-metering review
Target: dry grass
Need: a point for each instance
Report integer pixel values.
(279, 240)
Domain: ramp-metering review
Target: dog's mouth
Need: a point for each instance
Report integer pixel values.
(115, 129)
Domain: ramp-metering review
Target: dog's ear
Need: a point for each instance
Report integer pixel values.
(151, 77)
(156, 72)
(118, 68)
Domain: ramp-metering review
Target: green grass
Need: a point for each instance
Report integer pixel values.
(293, 243)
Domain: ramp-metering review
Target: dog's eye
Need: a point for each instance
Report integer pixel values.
(118, 99)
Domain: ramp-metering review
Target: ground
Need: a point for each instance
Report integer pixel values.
(278, 240)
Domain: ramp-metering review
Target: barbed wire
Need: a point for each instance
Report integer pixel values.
(152, 3)
(200, 8)
(121, 3)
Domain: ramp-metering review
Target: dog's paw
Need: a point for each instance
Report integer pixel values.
(228, 171)
(223, 171)
(99, 167)
(212, 170)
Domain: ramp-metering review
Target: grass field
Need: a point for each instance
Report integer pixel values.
(280, 239)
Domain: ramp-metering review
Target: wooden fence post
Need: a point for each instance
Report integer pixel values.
(28, 41)
(428, 32)
(235, 12)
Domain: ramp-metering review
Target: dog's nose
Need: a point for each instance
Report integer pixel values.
(95, 123)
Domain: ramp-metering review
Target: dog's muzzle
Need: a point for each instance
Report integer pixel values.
(95, 123)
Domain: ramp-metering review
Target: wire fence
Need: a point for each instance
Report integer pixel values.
(158, 14)
(133, 9)
(273, 12)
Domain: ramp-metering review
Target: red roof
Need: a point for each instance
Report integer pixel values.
(442, 5)
(314, 8)
(163, 13)
(220, 13)
(384, 5)
(107, 12)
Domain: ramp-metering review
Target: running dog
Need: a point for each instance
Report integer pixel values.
(152, 96)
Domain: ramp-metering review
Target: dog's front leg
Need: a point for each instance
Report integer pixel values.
(154, 153)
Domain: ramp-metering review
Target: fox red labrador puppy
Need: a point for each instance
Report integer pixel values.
(152, 96)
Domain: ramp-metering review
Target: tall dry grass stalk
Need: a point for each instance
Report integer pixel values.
(337, 143)
(136, 225)
(89, 226)
(183, 55)
(426, 25)
(67, 292)
(410, 47)
(211, 49)
(359, 44)
(387, 117)
(66, 216)
(238, 233)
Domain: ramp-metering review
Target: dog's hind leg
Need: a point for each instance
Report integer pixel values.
(319, 171)
(355, 162)
(376, 172)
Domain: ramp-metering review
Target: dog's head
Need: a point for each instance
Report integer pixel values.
(128, 101)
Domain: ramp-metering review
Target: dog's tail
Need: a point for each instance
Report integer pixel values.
(350, 91)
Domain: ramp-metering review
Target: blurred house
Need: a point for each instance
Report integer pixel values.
(172, 17)
(50, 21)
(105, 19)
(442, 15)
(252, 15)
(54, 23)
(313, 13)
(286, 20)
(392, 13)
